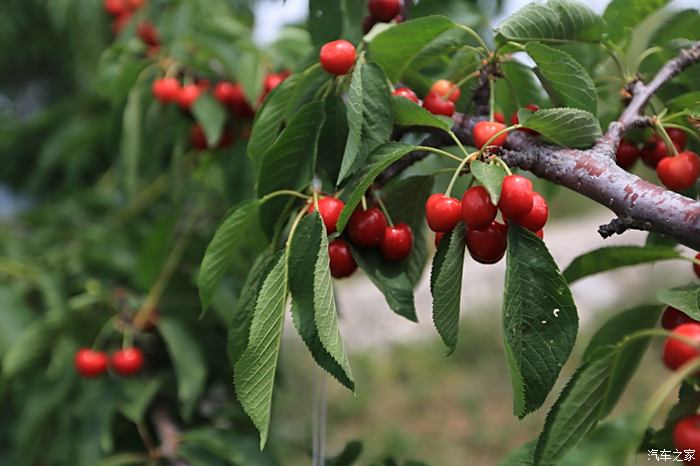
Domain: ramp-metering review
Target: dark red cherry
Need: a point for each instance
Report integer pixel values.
(397, 242)
(366, 228)
(488, 245)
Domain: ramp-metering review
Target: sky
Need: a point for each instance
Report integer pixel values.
(272, 14)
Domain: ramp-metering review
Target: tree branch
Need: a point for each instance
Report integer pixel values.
(638, 204)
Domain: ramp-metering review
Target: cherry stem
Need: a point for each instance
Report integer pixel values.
(492, 98)
(476, 36)
(293, 229)
(128, 339)
(316, 201)
(498, 161)
(364, 202)
(454, 137)
(284, 192)
(688, 131)
(465, 161)
(664, 135)
(496, 136)
(439, 152)
(459, 84)
(172, 70)
(646, 54)
(378, 198)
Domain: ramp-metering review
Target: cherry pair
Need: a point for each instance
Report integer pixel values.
(90, 363)
(442, 97)
(169, 90)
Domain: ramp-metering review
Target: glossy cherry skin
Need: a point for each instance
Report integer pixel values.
(679, 172)
(330, 209)
(485, 130)
(488, 245)
(147, 32)
(655, 150)
(397, 242)
(407, 93)
(696, 267)
(337, 57)
(166, 90)
(89, 363)
(536, 219)
(115, 7)
(516, 196)
(626, 155)
(540, 234)
(188, 95)
(499, 117)
(443, 87)
(678, 137)
(128, 361)
(384, 10)
(438, 106)
(676, 352)
(442, 212)
(672, 318)
(232, 95)
(686, 436)
(514, 120)
(341, 261)
(366, 228)
(477, 210)
(273, 80)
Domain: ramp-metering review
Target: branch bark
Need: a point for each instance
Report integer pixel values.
(637, 203)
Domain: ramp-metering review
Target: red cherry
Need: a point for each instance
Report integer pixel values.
(676, 352)
(485, 130)
(368, 23)
(679, 172)
(477, 210)
(273, 80)
(384, 10)
(366, 228)
(89, 363)
(147, 32)
(442, 212)
(330, 209)
(188, 95)
(397, 242)
(337, 57)
(341, 261)
(537, 217)
(115, 7)
(128, 361)
(443, 87)
(679, 138)
(438, 239)
(407, 93)
(514, 120)
(499, 117)
(627, 154)
(488, 245)
(696, 266)
(516, 196)
(438, 106)
(686, 436)
(166, 89)
(540, 234)
(224, 92)
(655, 150)
(672, 318)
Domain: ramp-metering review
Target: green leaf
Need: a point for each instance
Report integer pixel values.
(14, 318)
(221, 250)
(325, 21)
(381, 158)
(568, 127)
(416, 43)
(685, 298)
(521, 456)
(490, 176)
(446, 285)
(623, 15)
(390, 279)
(188, 361)
(136, 395)
(313, 301)
(519, 88)
(613, 257)
(254, 375)
(229, 445)
(408, 113)
(334, 134)
(369, 115)
(566, 81)
(597, 385)
(555, 21)
(350, 454)
(132, 135)
(539, 319)
(30, 346)
(211, 116)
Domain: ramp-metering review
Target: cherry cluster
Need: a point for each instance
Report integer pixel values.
(366, 228)
(122, 12)
(91, 363)
(677, 172)
(382, 11)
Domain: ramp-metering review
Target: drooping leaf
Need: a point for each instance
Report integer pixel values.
(685, 298)
(390, 279)
(490, 176)
(613, 257)
(568, 127)
(446, 285)
(313, 300)
(539, 319)
(555, 20)
(408, 113)
(211, 116)
(188, 360)
(623, 15)
(566, 81)
(369, 115)
(596, 386)
(384, 156)
(325, 21)
(332, 139)
(254, 374)
(416, 43)
(221, 250)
